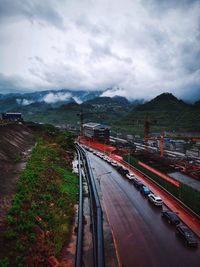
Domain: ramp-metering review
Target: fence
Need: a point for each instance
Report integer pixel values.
(188, 195)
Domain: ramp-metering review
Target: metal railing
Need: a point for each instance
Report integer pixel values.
(96, 216)
(79, 244)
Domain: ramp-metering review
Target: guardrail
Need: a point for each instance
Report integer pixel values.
(79, 244)
(96, 214)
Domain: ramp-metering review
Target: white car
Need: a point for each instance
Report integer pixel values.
(105, 158)
(156, 200)
(114, 163)
(130, 176)
(108, 159)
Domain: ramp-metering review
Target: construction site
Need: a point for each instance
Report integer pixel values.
(165, 157)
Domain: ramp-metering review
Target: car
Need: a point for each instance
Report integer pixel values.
(156, 200)
(187, 235)
(145, 190)
(135, 180)
(114, 163)
(171, 217)
(124, 171)
(130, 176)
(138, 184)
(121, 170)
(108, 159)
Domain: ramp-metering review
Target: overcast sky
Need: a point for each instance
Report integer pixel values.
(143, 47)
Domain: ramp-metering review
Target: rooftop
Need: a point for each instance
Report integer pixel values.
(94, 125)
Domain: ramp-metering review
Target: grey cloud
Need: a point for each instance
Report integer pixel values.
(98, 51)
(160, 6)
(10, 84)
(39, 59)
(84, 23)
(32, 10)
(146, 47)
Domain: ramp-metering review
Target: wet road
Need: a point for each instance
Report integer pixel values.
(142, 238)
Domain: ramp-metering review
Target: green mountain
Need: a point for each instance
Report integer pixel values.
(164, 112)
(100, 109)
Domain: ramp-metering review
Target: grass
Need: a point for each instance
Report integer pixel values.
(18, 158)
(4, 262)
(40, 219)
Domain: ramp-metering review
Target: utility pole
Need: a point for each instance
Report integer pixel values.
(146, 130)
(162, 141)
(81, 122)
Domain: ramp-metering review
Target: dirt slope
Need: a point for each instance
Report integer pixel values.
(16, 141)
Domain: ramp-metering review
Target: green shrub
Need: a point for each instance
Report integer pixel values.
(18, 158)
(4, 262)
(10, 234)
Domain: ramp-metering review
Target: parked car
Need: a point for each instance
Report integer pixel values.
(114, 163)
(108, 160)
(187, 235)
(156, 200)
(130, 176)
(171, 217)
(124, 171)
(135, 180)
(121, 170)
(145, 190)
(138, 184)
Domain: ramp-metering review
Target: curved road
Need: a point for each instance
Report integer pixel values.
(141, 237)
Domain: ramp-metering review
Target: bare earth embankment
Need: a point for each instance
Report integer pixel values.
(16, 141)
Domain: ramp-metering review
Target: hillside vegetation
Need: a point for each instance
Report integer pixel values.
(100, 109)
(39, 221)
(164, 112)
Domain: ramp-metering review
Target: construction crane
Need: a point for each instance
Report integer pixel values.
(147, 124)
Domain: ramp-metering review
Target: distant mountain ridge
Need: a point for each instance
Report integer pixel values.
(165, 100)
(62, 107)
(168, 112)
(53, 98)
